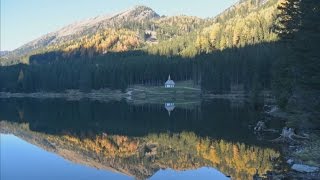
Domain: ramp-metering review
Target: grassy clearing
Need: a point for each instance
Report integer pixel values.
(183, 94)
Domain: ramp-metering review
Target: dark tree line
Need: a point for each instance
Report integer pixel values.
(114, 70)
(58, 116)
(248, 69)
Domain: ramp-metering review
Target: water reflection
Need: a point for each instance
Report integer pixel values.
(169, 107)
(201, 173)
(140, 140)
(22, 160)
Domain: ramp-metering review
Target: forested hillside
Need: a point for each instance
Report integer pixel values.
(132, 29)
(246, 23)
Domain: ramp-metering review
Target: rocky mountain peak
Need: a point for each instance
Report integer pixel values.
(138, 13)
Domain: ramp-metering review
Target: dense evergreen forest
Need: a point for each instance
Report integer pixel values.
(218, 72)
(114, 70)
(272, 46)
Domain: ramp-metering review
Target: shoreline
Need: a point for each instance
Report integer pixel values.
(300, 155)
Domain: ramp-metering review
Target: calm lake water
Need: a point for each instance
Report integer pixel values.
(59, 139)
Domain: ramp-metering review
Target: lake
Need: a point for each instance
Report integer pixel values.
(59, 139)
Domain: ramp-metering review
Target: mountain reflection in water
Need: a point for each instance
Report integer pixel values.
(140, 140)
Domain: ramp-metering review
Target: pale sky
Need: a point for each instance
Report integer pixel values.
(26, 20)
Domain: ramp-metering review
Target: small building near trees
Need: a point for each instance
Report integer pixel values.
(169, 83)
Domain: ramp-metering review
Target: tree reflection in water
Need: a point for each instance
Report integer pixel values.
(119, 136)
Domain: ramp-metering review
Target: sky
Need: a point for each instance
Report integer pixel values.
(26, 20)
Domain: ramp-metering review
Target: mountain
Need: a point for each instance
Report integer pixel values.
(130, 29)
(142, 28)
(138, 14)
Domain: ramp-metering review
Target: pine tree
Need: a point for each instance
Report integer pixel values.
(306, 47)
(287, 21)
(284, 73)
(298, 26)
